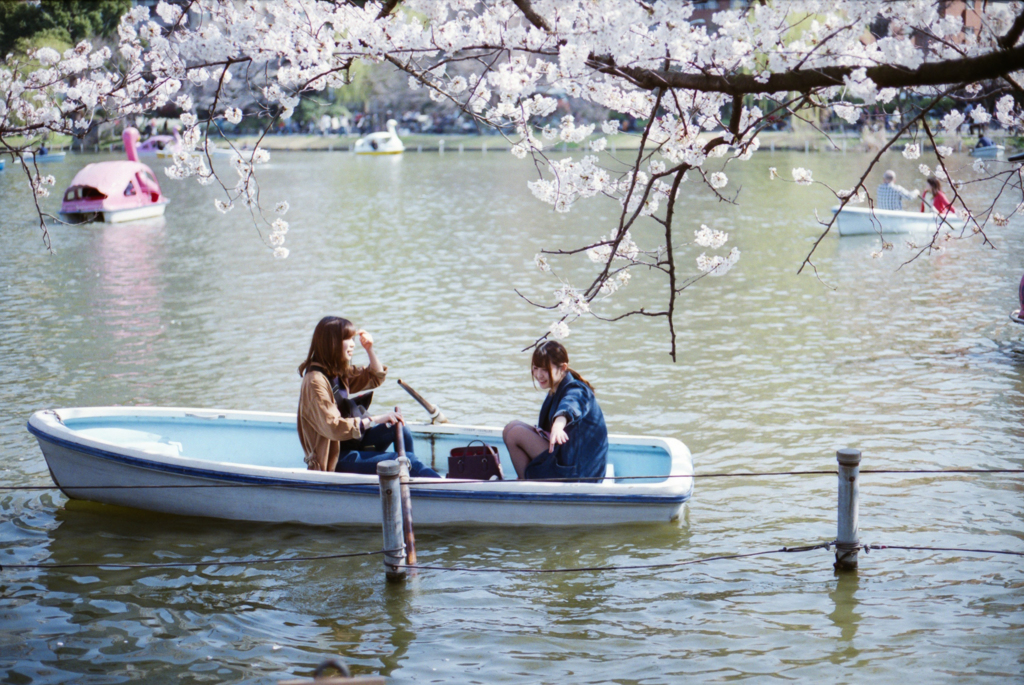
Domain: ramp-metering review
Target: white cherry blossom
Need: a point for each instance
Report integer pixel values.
(692, 87)
(802, 176)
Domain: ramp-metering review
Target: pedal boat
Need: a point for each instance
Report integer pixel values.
(114, 191)
(248, 466)
(154, 145)
(381, 143)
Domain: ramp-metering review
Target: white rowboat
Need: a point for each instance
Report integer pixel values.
(864, 221)
(248, 466)
(989, 152)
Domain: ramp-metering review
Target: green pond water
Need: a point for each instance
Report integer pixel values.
(919, 367)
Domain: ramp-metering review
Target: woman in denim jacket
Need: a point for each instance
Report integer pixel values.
(570, 440)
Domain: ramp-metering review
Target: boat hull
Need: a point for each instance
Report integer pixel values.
(155, 476)
(115, 216)
(44, 159)
(134, 214)
(990, 152)
(861, 221)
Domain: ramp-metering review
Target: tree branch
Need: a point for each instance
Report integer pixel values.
(966, 70)
(388, 7)
(1013, 35)
(531, 14)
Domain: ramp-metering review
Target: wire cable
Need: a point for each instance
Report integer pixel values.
(447, 483)
(215, 562)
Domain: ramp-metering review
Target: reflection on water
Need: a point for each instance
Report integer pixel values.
(399, 606)
(917, 366)
(844, 616)
(130, 265)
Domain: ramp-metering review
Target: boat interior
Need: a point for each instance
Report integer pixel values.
(275, 444)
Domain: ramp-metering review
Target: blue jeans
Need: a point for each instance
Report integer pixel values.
(372, 451)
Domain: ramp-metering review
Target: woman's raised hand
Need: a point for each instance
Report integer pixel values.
(365, 339)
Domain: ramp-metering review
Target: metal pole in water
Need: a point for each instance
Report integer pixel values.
(403, 476)
(391, 506)
(848, 526)
(410, 536)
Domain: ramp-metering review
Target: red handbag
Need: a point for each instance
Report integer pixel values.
(475, 462)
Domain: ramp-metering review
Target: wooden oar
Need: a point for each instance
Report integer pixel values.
(435, 414)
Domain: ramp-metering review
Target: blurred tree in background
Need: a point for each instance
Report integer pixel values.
(56, 23)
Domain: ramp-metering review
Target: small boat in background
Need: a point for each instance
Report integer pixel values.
(114, 191)
(988, 152)
(864, 221)
(154, 145)
(215, 152)
(1, 165)
(248, 466)
(381, 143)
(44, 158)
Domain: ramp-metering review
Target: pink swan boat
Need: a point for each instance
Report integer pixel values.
(155, 145)
(123, 190)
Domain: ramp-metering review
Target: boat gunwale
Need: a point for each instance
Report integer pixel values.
(49, 425)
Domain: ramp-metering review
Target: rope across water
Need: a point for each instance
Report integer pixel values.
(448, 483)
(517, 570)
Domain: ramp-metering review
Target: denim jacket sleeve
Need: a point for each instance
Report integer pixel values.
(574, 403)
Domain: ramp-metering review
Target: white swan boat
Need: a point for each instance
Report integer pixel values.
(381, 143)
(988, 152)
(248, 466)
(864, 221)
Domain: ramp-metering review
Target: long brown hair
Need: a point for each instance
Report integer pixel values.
(935, 184)
(550, 354)
(325, 349)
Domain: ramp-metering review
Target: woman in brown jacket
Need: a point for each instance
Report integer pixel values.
(322, 428)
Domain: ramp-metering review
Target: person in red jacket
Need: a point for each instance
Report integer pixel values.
(939, 200)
